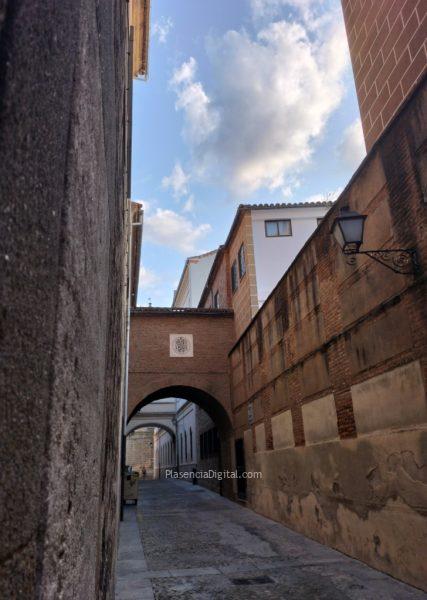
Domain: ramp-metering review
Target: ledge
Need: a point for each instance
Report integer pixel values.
(151, 311)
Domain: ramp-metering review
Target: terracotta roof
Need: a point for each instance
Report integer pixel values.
(324, 203)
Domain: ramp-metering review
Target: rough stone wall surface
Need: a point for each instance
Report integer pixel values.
(62, 69)
(334, 367)
(388, 47)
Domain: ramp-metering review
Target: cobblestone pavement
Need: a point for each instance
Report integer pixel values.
(198, 545)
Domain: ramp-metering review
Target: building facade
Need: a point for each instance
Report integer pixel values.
(325, 390)
(321, 385)
(263, 241)
(192, 423)
(140, 451)
(193, 280)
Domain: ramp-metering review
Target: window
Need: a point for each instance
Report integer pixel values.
(279, 228)
(234, 279)
(319, 220)
(216, 300)
(185, 444)
(202, 446)
(242, 263)
(191, 444)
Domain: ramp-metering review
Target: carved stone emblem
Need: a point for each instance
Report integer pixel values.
(181, 344)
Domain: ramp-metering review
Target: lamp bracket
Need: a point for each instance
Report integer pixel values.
(402, 261)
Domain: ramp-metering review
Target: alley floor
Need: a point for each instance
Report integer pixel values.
(198, 545)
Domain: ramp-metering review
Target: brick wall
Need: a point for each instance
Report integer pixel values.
(244, 300)
(388, 47)
(220, 281)
(334, 366)
(202, 379)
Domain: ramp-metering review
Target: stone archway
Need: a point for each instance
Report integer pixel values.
(131, 427)
(183, 353)
(216, 412)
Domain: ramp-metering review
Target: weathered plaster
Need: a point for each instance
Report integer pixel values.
(396, 398)
(367, 497)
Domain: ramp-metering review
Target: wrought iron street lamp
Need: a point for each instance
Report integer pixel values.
(348, 229)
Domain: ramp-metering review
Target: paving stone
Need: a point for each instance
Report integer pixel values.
(199, 546)
(132, 582)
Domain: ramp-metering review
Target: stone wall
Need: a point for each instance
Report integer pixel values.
(334, 368)
(140, 451)
(62, 68)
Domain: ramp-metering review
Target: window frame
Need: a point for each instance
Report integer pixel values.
(277, 221)
(241, 259)
(234, 277)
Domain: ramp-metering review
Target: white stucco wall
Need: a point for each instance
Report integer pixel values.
(199, 272)
(193, 280)
(186, 421)
(274, 255)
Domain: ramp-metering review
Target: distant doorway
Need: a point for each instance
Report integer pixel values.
(241, 469)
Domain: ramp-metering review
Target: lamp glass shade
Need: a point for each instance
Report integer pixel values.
(348, 229)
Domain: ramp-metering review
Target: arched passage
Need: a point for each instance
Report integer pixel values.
(134, 427)
(216, 412)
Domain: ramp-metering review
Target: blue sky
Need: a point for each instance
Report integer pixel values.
(247, 101)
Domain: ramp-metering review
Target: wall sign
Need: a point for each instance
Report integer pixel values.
(181, 344)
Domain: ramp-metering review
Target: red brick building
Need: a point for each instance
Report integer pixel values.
(388, 47)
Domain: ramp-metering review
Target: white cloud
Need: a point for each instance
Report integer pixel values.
(330, 196)
(311, 12)
(189, 204)
(272, 97)
(177, 181)
(200, 118)
(352, 148)
(162, 28)
(147, 278)
(168, 228)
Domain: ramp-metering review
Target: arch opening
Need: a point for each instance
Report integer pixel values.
(204, 448)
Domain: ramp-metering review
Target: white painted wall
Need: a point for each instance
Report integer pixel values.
(274, 255)
(199, 273)
(193, 281)
(186, 424)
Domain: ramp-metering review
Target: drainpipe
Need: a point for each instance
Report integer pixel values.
(127, 185)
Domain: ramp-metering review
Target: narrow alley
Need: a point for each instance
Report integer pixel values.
(198, 545)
